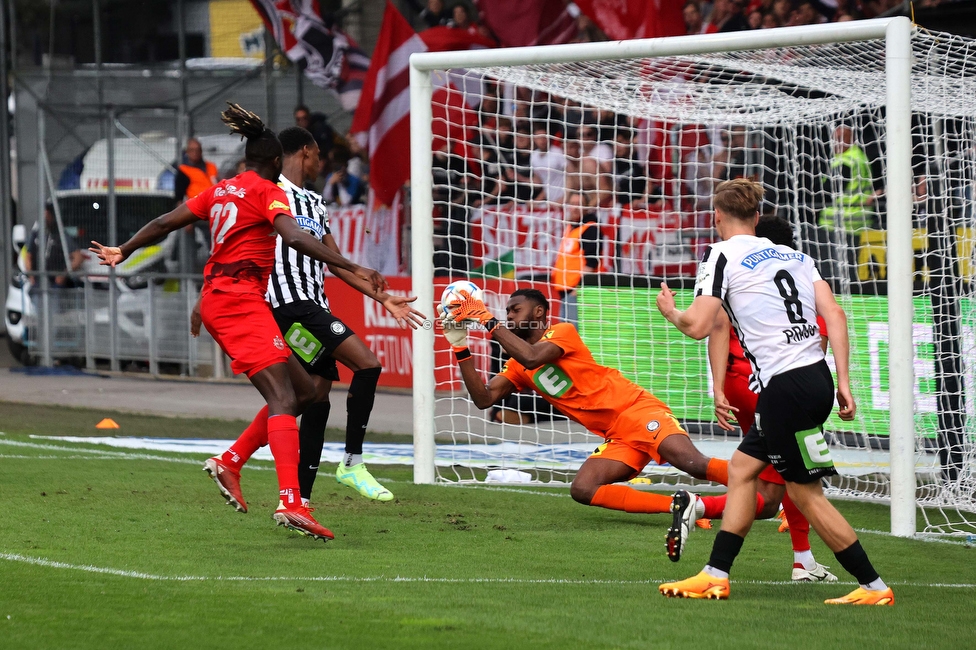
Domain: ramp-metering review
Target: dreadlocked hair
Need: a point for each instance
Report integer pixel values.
(262, 144)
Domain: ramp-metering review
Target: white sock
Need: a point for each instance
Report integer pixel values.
(305, 502)
(352, 459)
(715, 573)
(876, 585)
(699, 507)
(805, 558)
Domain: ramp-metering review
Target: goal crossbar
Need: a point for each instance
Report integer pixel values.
(846, 32)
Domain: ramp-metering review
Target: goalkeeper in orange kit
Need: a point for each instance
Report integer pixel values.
(553, 361)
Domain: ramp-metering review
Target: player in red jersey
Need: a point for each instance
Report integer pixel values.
(730, 372)
(245, 214)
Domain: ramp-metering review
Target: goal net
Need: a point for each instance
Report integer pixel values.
(525, 155)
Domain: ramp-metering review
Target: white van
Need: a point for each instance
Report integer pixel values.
(144, 190)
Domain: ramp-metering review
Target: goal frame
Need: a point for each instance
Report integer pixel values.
(897, 34)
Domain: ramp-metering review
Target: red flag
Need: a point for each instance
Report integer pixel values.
(383, 113)
(627, 19)
(528, 22)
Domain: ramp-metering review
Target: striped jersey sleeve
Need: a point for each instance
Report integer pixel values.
(712, 280)
(297, 277)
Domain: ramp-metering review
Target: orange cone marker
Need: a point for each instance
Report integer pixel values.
(107, 423)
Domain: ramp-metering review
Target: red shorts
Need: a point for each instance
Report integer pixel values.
(738, 393)
(244, 328)
(635, 435)
(770, 475)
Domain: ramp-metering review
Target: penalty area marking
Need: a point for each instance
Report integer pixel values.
(89, 568)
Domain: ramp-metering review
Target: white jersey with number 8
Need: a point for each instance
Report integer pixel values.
(767, 291)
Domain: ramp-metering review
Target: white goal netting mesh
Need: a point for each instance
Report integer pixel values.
(525, 154)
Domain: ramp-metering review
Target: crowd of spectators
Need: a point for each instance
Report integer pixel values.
(544, 152)
(343, 164)
(462, 14)
(738, 15)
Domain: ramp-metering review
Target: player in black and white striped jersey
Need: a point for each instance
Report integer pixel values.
(297, 277)
(772, 295)
(319, 338)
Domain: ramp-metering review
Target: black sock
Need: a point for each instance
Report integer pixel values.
(726, 547)
(359, 406)
(855, 561)
(311, 435)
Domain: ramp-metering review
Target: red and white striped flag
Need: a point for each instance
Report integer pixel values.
(383, 114)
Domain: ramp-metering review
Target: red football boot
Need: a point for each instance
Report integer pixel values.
(299, 518)
(228, 480)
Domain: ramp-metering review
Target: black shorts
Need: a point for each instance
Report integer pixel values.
(313, 333)
(789, 424)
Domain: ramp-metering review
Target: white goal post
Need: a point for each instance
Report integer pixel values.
(899, 180)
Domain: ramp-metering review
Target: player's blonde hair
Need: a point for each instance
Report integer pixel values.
(738, 198)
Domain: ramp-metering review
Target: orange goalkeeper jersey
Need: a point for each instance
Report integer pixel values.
(576, 384)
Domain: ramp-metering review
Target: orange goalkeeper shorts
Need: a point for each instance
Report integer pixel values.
(635, 435)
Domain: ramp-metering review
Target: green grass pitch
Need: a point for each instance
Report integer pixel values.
(102, 550)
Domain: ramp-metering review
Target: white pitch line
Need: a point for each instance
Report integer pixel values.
(110, 455)
(36, 561)
(22, 457)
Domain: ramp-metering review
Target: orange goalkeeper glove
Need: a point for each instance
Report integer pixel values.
(473, 310)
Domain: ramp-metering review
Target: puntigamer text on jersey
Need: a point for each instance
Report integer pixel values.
(753, 260)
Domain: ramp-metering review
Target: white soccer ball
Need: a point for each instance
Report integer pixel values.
(452, 297)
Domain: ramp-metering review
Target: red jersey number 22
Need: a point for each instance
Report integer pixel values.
(223, 216)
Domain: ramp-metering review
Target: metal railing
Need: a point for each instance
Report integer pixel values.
(148, 328)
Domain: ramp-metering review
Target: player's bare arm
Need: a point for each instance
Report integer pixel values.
(484, 395)
(151, 233)
(530, 355)
(695, 322)
(718, 360)
(196, 318)
(398, 306)
(833, 314)
(294, 237)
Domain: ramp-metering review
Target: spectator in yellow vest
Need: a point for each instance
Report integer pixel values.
(852, 197)
(195, 174)
(579, 253)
